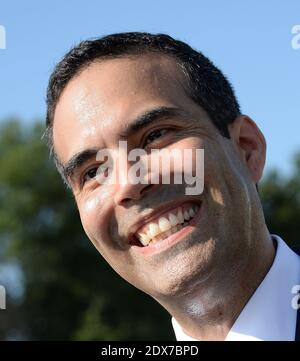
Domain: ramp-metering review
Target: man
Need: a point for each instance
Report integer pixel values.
(208, 258)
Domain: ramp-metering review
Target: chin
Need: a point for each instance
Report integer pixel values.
(186, 273)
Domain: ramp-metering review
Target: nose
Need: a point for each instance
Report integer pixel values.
(130, 188)
(132, 192)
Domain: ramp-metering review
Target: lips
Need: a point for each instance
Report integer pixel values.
(165, 225)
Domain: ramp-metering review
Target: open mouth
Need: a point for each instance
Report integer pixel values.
(165, 225)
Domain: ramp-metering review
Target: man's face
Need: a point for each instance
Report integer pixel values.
(95, 111)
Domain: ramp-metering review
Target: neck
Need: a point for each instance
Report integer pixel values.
(209, 310)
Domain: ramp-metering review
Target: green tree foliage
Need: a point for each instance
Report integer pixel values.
(68, 292)
(281, 201)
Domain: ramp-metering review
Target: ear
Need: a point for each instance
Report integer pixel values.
(250, 144)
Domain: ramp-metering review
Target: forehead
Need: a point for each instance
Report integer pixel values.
(96, 104)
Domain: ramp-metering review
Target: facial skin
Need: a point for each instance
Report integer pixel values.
(205, 278)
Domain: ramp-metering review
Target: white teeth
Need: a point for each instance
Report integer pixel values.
(180, 216)
(186, 215)
(176, 222)
(164, 224)
(173, 219)
(153, 230)
(144, 239)
(191, 212)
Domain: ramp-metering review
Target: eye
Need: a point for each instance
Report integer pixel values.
(90, 174)
(157, 133)
(98, 172)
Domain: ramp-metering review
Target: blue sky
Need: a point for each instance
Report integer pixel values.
(249, 40)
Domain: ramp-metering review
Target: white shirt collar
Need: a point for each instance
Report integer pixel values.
(268, 315)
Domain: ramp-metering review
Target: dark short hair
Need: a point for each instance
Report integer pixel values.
(206, 84)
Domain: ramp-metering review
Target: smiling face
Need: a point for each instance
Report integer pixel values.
(184, 239)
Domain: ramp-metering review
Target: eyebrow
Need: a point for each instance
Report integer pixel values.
(142, 121)
(149, 117)
(77, 160)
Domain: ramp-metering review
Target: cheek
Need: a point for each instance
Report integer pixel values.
(189, 143)
(226, 183)
(187, 148)
(93, 210)
(217, 196)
